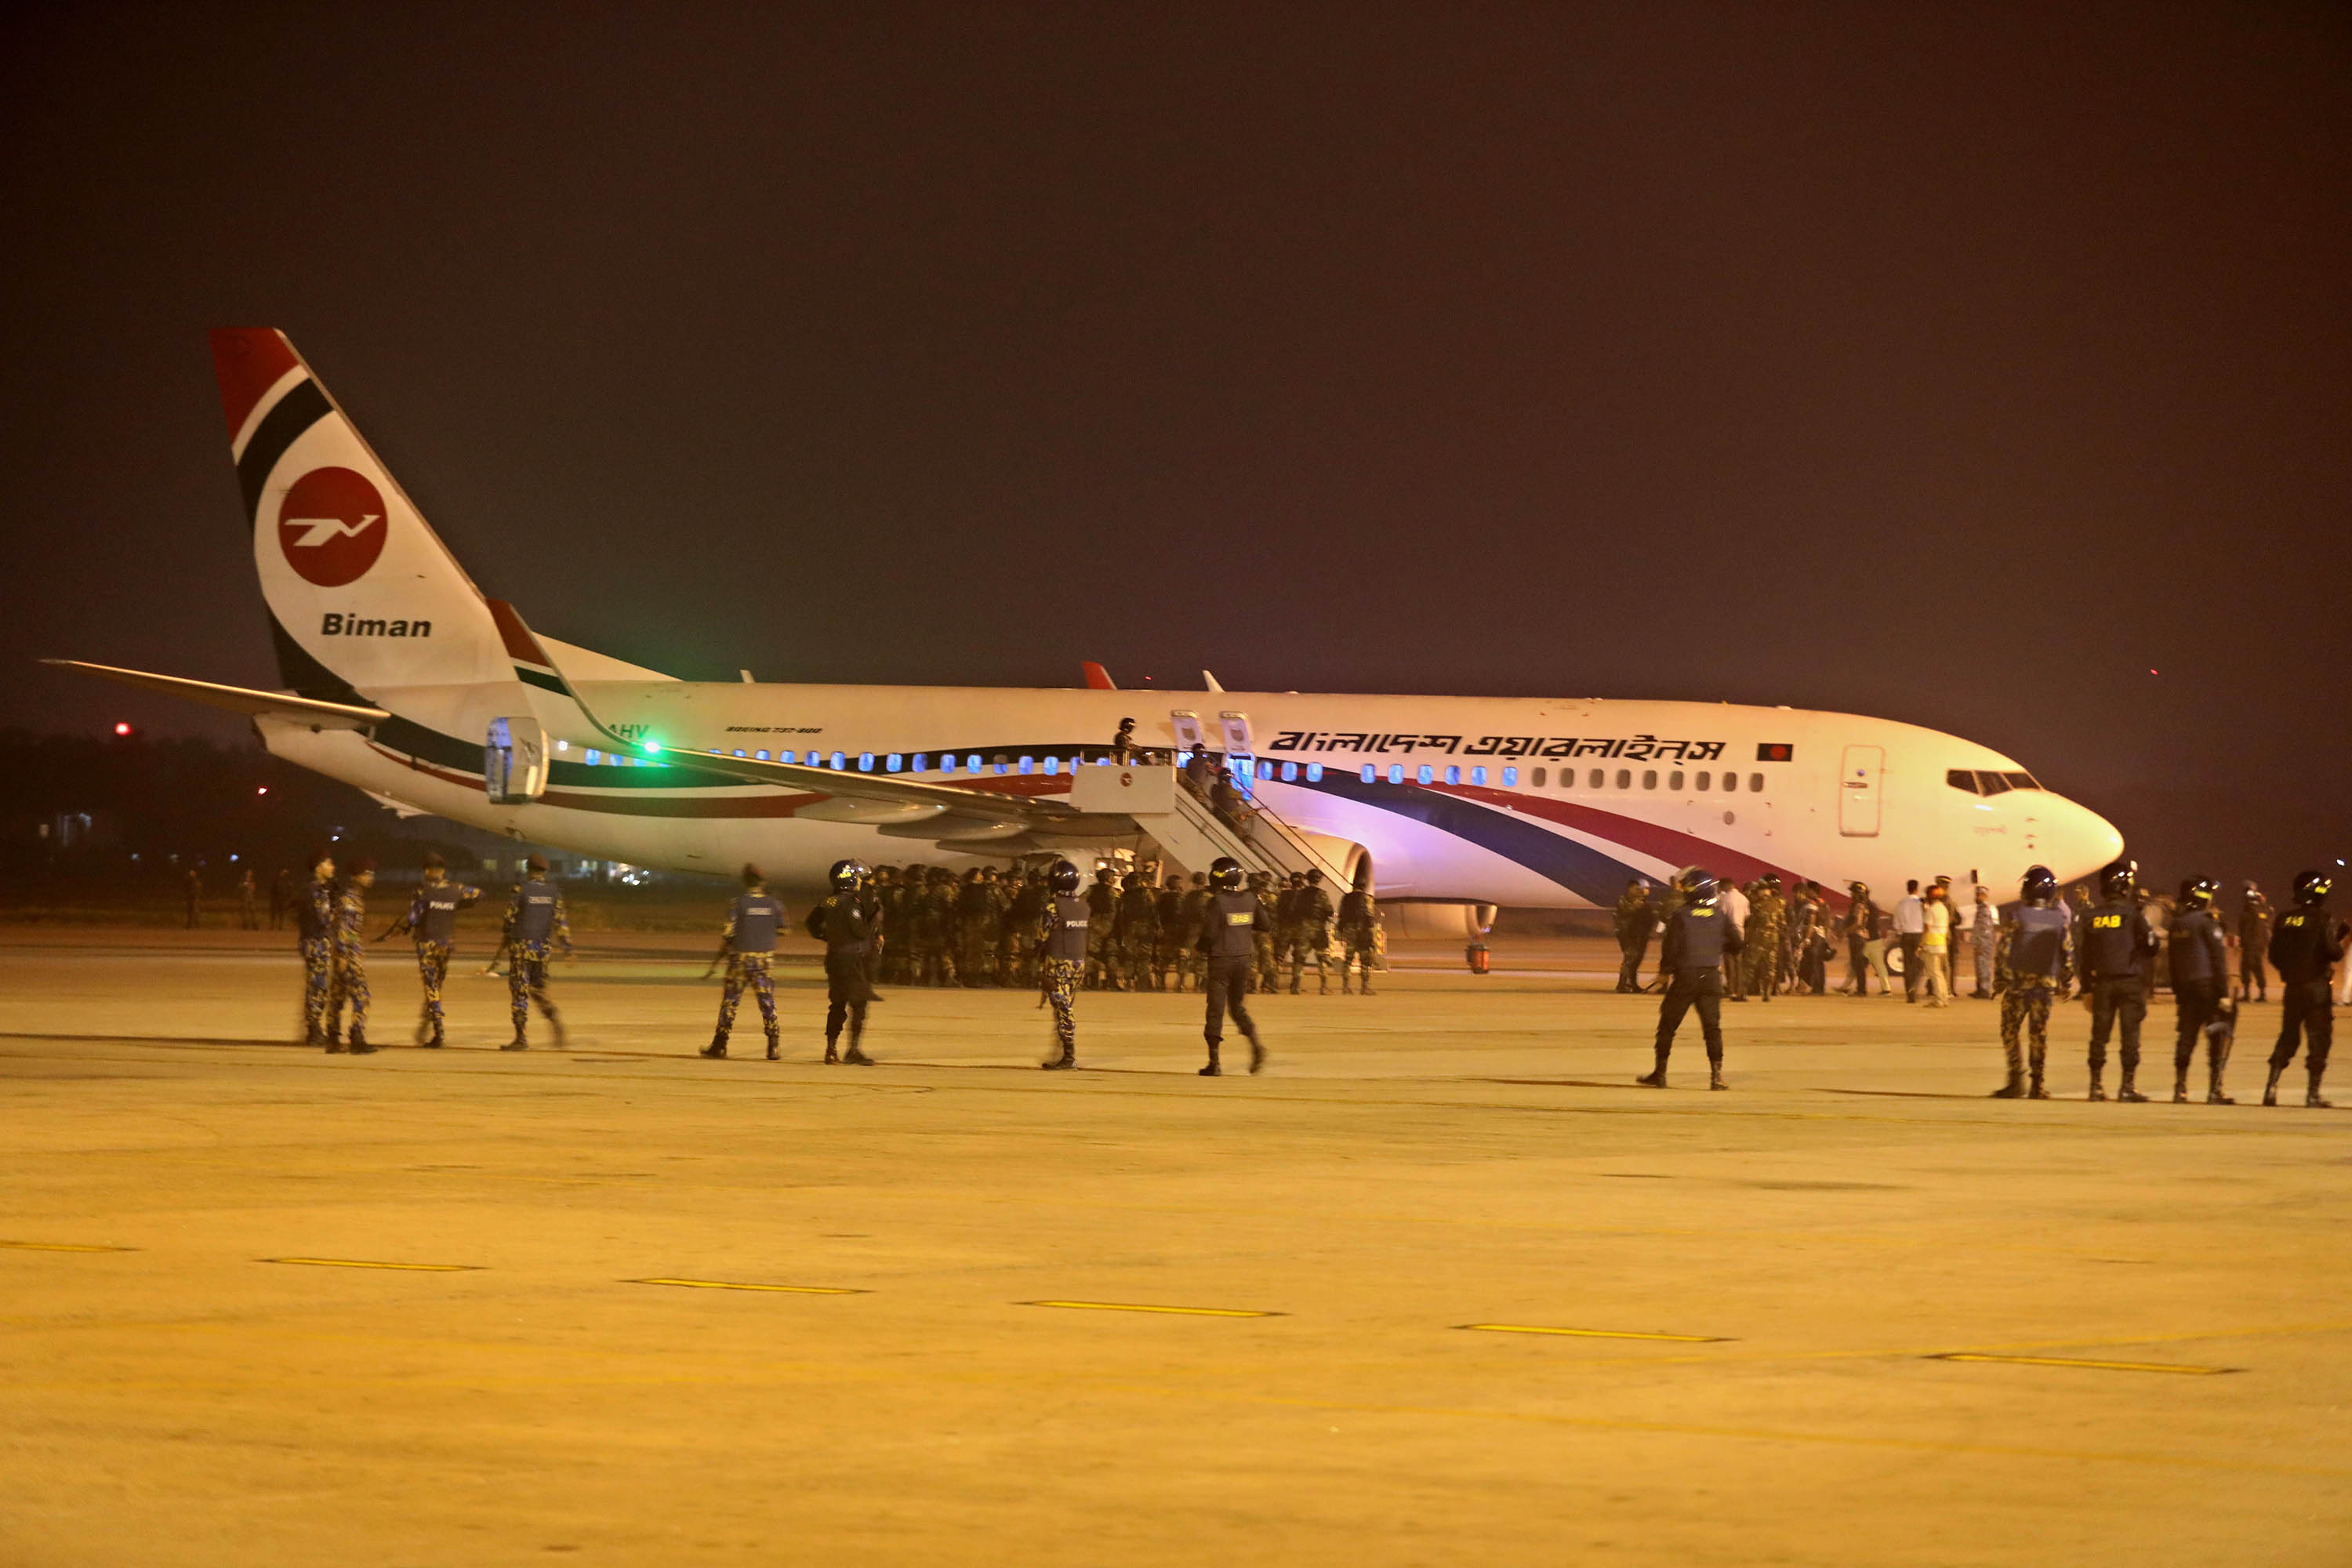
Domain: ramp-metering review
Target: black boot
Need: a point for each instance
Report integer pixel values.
(716, 1048)
(335, 1040)
(2269, 1089)
(555, 1022)
(775, 1051)
(1062, 1060)
(435, 1043)
(1657, 1077)
(2313, 1098)
(1213, 1070)
(832, 1050)
(856, 1055)
(1257, 1058)
(1715, 1076)
(517, 1044)
(2128, 1092)
(2180, 1086)
(360, 1045)
(2014, 1089)
(2098, 1089)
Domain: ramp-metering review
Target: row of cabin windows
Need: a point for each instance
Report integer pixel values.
(1984, 781)
(1704, 783)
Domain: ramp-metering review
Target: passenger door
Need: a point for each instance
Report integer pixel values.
(1858, 786)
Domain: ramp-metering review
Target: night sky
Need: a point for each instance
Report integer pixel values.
(1960, 364)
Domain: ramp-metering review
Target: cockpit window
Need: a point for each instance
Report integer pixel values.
(1962, 778)
(1992, 783)
(2020, 781)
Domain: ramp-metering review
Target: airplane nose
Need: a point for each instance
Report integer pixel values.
(2082, 838)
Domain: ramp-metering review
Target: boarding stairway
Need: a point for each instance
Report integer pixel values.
(1191, 835)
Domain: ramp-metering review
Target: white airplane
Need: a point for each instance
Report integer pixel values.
(406, 681)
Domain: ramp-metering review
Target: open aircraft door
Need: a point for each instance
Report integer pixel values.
(514, 762)
(1858, 791)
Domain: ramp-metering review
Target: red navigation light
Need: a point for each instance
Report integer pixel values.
(121, 727)
(263, 790)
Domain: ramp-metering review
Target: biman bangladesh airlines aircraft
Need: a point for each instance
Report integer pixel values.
(406, 681)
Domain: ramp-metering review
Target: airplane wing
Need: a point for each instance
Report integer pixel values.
(238, 698)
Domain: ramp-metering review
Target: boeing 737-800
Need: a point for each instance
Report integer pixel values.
(404, 679)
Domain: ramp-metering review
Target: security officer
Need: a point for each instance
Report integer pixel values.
(1313, 912)
(1139, 929)
(2114, 941)
(875, 908)
(1168, 958)
(1061, 948)
(431, 922)
(1102, 944)
(1031, 904)
(2034, 965)
(2254, 917)
(1697, 940)
(350, 945)
(840, 923)
(1265, 952)
(535, 926)
(1768, 915)
(1663, 908)
(1359, 931)
(748, 945)
(314, 937)
(2305, 946)
(1860, 925)
(1634, 921)
(1282, 908)
(1228, 941)
(2199, 958)
(1196, 917)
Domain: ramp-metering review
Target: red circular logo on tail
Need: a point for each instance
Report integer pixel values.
(331, 527)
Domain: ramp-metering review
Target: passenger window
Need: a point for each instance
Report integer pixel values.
(1453, 773)
(1705, 781)
(1425, 774)
(1624, 778)
(922, 760)
(1674, 782)
(1000, 761)
(866, 762)
(1649, 778)
(1265, 770)
(1314, 773)
(1535, 778)
(1510, 777)
(1477, 775)
(787, 756)
(1053, 766)
(971, 763)
(762, 755)
(1369, 772)
(1028, 764)
(1992, 783)
(1592, 780)
(1730, 782)
(1289, 772)
(1756, 784)
(1396, 772)
(894, 763)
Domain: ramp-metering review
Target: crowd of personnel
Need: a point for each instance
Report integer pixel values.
(1227, 935)
(2109, 950)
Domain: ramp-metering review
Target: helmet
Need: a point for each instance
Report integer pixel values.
(2116, 879)
(1698, 886)
(433, 861)
(2197, 893)
(2312, 887)
(1226, 874)
(1065, 877)
(847, 876)
(2038, 886)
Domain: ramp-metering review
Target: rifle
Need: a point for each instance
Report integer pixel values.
(723, 950)
(492, 966)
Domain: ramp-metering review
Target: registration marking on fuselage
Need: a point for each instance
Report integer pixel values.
(370, 1263)
(2078, 1361)
(743, 1285)
(1598, 1333)
(1141, 1307)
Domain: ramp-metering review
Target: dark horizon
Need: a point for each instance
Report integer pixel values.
(1985, 370)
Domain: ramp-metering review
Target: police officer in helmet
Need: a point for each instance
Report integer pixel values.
(2114, 943)
(1062, 929)
(2197, 955)
(1229, 942)
(2306, 944)
(1698, 937)
(2034, 965)
(841, 922)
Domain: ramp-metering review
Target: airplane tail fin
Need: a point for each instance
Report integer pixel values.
(363, 593)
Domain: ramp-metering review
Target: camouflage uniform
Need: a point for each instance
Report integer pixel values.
(935, 930)
(1167, 959)
(1139, 931)
(433, 953)
(314, 928)
(350, 984)
(1271, 936)
(1010, 936)
(1313, 912)
(755, 971)
(1102, 932)
(526, 968)
(1031, 904)
(2253, 947)
(1359, 918)
(1633, 922)
(2025, 999)
(1767, 918)
(1194, 962)
(1281, 901)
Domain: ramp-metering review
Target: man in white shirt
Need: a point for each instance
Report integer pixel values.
(1910, 926)
(1734, 904)
(1936, 946)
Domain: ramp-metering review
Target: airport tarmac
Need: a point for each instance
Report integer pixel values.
(1439, 1286)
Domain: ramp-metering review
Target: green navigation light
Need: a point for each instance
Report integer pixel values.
(653, 748)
